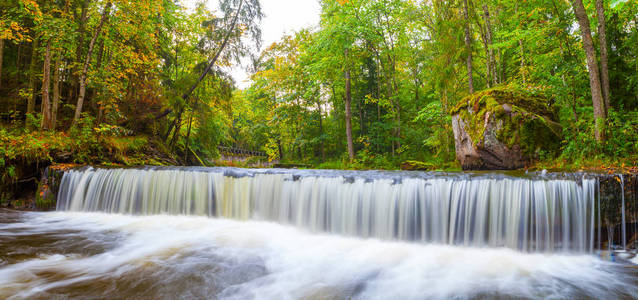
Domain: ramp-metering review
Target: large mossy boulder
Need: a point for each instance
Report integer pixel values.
(504, 128)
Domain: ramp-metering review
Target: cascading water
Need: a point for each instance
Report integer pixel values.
(535, 213)
(224, 233)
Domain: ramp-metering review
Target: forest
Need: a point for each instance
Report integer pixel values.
(372, 86)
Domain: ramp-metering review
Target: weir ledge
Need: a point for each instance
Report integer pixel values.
(614, 190)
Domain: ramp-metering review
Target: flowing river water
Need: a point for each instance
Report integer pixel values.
(202, 233)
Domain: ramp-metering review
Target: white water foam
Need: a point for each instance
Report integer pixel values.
(297, 264)
(529, 214)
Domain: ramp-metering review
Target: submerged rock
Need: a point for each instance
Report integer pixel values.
(503, 128)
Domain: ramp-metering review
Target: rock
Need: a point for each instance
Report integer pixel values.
(49, 185)
(503, 128)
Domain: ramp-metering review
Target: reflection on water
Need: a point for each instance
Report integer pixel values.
(96, 256)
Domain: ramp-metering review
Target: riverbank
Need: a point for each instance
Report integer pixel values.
(25, 156)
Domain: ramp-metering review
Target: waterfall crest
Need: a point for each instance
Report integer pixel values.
(530, 213)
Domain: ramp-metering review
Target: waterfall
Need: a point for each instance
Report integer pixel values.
(543, 213)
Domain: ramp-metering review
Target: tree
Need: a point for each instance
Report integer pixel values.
(348, 100)
(604, 60)
(87, 62)
(592, 66)
(1, 57)
(46, 83)
(32, 75)
(248, 13)
(468, 48)
(219, 51)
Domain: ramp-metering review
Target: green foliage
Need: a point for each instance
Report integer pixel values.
(407, 62)
(621, 142)
(439, 139)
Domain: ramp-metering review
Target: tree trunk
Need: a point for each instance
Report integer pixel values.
(187, 94)
(188, 138)
(56, 93)
(46, 82)
(32, 84)
(362, 126)
(280, 148)
(488, 34)
(468, 47)
(520, 43)
(348, 100)
(594, 78)
(322, 148)
(488, 62)
(221, 48)
(82, 20)
(1, 58)
(87, 62)
(602, 39)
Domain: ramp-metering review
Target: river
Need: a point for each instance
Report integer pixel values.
(249, 234)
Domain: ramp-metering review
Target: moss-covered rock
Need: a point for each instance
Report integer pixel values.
(413, 165)
(503, 128)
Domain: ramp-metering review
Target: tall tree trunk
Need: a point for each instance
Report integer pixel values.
(46, 82)
(594, 78)
(322, 148)
(362, 126)
(280, 148)
(348, 100)
(468, 47)
(79, 52)
(491, 58)
(520, 44)
(503, 69)
(488, 62)
(602, 40)
(56, 93)
(32, 69)
(1, 58)
(19, 60)
(87, 62)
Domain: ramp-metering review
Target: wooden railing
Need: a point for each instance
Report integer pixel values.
(240, 151)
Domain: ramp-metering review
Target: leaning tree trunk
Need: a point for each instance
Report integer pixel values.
(468, 48)
(594, 78)
(46, 82)
(221, 48)
(87, 62)
(604, 69)
(187, 94)
(348, 101)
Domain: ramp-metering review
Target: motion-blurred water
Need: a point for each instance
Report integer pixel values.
(97, 256)
(204, 233)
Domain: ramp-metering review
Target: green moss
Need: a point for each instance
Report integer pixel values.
(413, 165)
(44, 198)
(529, 123)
